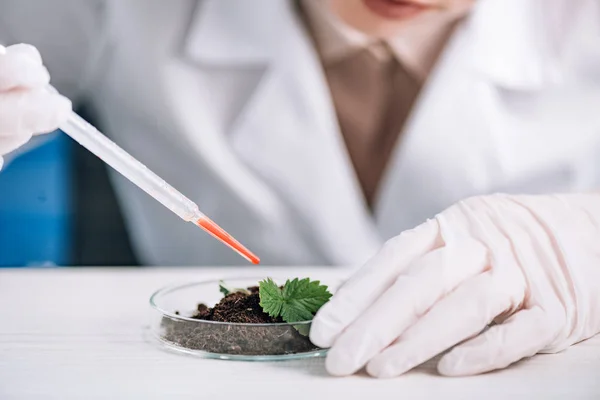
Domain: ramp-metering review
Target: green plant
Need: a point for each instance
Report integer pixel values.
(298, 300)
(226, 290)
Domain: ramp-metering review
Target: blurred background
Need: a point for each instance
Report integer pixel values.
(59, 174)
(58, 205)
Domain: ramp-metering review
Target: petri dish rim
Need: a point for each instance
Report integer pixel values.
(178, 286)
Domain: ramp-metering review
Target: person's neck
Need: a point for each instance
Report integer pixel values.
(420, 42)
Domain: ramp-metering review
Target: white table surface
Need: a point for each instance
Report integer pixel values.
(82, 334)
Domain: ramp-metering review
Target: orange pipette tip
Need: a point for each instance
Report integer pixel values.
(219, 233)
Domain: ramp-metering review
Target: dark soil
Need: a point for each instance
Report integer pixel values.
(236, 307)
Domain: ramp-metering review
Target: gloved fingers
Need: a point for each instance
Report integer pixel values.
(427, 281)
(34, 111)
(10, 143)
(373, 279)
(27, 50)
(21, 67)
(522, 335)
(459, 316)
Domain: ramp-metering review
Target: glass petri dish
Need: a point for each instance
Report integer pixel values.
(172, 306)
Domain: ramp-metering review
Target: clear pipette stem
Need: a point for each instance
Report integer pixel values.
(90, 138)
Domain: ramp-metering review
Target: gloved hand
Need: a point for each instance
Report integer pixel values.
(529, 266)
(25, 107)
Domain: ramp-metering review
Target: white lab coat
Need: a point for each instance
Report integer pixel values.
(226, 100)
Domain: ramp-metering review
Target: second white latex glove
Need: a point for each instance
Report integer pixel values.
(26, 108)
(529, 264)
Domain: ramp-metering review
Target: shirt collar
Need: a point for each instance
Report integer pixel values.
(416, 46)
(335, 40)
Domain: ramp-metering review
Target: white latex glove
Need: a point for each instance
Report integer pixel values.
(25, 106)
(530, 264)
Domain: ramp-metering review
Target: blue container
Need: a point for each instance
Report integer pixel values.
(35, 206)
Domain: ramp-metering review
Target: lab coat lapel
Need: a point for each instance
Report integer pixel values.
(454, 144)
(187, 77)
(537, 102)
(286, 131)
(444, 153)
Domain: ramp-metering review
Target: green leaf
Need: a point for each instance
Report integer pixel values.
(226, 290)
(223, 289)
(304, 330)
(271, 297)
(298, 301)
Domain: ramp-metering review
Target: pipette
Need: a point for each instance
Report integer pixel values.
(105, 149)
